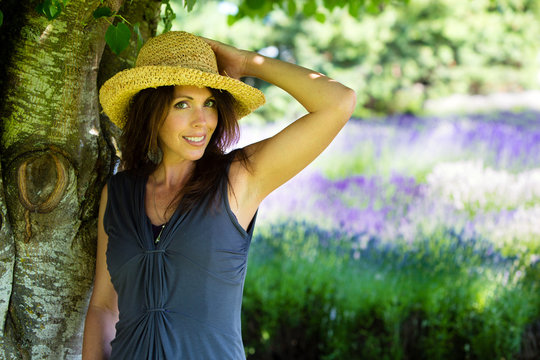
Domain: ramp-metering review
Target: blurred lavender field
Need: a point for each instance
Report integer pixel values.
(408, 238)
(397, 178)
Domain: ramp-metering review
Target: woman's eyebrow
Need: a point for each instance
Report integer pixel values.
(212, 97)
(183, 97)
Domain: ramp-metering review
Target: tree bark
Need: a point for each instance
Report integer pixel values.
(55, 158)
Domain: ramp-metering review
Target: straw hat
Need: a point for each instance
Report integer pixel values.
(173, 58)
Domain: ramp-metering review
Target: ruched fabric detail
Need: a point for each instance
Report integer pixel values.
(180, 298)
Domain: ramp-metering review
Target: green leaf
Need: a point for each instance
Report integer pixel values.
(320, 17)
(51, 8)
(329, 4)
(103, 12)
(354, 8)
(117, 37)
(168, 17)
(310, 8)
(291, 7)
(52, 11)
(188, 4)
(255, 4)
(1, 17)
(373, 8)
(231, 20)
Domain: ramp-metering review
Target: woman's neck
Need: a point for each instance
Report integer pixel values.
(163, 188)
(173, 176)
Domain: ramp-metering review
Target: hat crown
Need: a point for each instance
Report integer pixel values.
(178, 49)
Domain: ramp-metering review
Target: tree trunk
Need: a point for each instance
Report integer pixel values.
(55, 158)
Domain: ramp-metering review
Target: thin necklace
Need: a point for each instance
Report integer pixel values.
(156, 211)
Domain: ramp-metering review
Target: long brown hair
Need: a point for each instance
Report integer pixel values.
(148, 111)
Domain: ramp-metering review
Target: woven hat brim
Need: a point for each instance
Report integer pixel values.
(116, 93)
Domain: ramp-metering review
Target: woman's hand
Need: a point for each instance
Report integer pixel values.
(231, 61)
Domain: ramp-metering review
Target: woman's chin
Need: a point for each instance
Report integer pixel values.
(194, 156)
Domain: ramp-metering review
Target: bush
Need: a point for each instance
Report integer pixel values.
(309, 295)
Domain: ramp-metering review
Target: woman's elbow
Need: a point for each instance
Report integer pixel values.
(347, 103)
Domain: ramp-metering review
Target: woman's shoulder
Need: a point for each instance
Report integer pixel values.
(123, 179)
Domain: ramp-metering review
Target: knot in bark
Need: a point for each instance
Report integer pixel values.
(42, 180)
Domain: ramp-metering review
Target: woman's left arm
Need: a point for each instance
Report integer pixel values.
(329, 105)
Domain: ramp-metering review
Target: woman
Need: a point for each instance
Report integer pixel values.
(175, 227)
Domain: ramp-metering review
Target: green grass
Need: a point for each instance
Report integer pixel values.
(440, 297)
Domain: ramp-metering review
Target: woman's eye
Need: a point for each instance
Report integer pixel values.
(211, 103)
(181, 105)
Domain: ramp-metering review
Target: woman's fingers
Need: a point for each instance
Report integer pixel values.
(231, 61)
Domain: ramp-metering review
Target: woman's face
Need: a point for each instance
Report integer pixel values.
(189, 125)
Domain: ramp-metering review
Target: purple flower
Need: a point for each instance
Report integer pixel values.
(372, 180)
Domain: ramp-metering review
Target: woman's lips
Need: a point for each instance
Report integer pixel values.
(195, 140)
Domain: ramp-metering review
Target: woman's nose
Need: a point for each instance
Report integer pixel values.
(199, 118)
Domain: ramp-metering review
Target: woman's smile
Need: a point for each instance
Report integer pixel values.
(194, 139)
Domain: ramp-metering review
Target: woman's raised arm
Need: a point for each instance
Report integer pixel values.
(329, 105)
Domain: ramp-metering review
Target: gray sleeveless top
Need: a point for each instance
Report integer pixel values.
(179, 298)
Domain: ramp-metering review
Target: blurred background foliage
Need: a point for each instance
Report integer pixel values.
(396, 55)
(413, 236)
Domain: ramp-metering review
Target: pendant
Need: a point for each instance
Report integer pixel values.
(159, 235)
